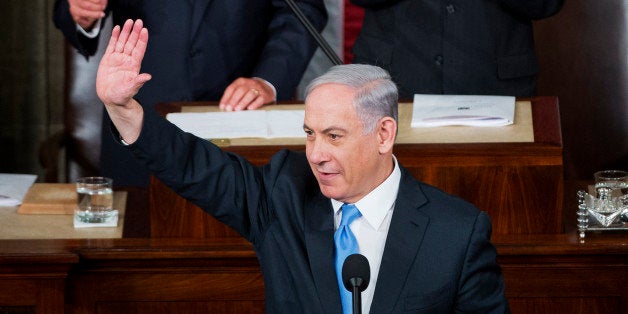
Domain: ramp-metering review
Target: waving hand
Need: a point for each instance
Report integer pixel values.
(119, 79)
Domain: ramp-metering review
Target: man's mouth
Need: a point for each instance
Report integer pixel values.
(323, 175)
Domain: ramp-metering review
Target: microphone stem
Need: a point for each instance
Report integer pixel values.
(357, 300)
(322, 43)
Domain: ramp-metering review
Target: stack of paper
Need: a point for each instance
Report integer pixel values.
(442, 110)
(241, 124)
(13, 187)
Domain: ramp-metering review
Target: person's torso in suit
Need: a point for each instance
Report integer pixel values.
(437, 257)
(454, 47)
(197, 48)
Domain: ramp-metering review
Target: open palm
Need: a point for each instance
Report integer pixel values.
(118, 78)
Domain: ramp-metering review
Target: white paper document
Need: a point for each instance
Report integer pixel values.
(241, 124)
(13, 187)
(471, 110)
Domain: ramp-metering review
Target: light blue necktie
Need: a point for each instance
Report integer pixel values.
(346, 244)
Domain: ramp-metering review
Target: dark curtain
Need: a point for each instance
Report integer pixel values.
(31, 82)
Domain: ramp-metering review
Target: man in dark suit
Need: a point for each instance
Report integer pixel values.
(243, 53)
(429, 252)
(483, 47)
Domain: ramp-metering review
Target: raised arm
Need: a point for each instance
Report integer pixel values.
(118, 78)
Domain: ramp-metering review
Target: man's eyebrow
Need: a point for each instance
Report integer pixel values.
(334, 129)
(327, 130)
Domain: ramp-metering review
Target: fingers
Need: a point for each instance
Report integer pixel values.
(246, 93)
(124, 34)
(140, 80)
(255, 104)
(142, 43)
(132, 39)
(118, 78)
(80, 13)
(86, 12)
(237, 97)
(115, 33)
(88, 5)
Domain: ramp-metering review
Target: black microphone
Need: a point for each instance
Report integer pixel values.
(356, 274)
(322, 43)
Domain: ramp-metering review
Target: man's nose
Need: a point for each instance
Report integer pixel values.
(316, 151)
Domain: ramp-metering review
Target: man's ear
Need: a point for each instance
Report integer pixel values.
(386, 134)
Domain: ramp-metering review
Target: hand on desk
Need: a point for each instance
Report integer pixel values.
(247, 93)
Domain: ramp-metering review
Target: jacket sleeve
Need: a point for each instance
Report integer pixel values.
(289, 47)
(64, 22)
(481, 285)
(223, 184)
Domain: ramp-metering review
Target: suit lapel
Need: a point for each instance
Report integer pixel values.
(199, 8)
(402, 244)
(319, 240)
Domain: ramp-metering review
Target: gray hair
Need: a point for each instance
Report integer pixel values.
(376, 95)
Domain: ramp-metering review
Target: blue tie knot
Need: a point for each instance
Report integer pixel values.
(349, 214)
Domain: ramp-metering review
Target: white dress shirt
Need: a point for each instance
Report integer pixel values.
(371, 229)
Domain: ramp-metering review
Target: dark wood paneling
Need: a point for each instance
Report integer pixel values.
(565, 305)
(213, 307)
(582, 59)
(544, 273)
(186, 220)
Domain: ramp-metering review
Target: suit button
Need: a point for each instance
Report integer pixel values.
(450, 8)
(438, 60)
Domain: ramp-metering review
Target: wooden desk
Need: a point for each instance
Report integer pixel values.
(214, 270)
(519, 184)
(544, 273)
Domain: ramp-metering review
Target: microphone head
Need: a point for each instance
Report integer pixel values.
(356, 272)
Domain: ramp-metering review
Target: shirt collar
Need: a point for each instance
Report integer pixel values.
(375, 205)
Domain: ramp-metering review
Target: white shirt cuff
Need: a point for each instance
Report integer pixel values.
(93, 33)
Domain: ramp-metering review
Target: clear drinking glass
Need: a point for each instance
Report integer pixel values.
(94, 200)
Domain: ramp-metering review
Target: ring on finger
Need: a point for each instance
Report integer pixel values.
(255, 91)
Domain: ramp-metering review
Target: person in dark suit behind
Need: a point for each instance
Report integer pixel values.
(241, 53)
(483, 47)
(429, 252)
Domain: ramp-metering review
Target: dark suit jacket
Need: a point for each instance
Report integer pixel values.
(437, 256)
(197, 48)
(481, 47)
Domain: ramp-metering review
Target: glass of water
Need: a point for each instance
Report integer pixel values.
(94, 200)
